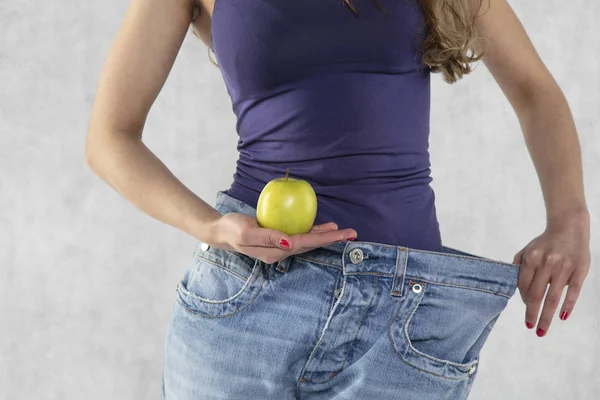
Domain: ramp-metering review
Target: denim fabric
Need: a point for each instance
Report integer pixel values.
(352, 320)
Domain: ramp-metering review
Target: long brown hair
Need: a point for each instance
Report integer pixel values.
(450, 35)
(451, 27)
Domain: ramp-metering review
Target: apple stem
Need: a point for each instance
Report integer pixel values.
(287, 171)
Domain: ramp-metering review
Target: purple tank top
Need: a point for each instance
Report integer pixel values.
(343, 100)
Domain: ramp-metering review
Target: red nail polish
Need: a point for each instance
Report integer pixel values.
(284, 243)
(352, 238)
(528, 325)
(564, 315)
(540, 332)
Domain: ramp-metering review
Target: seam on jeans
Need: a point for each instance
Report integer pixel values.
(404, 274)
(361, 324)
(317, 262)
(458, 378)
(340, 268)
(255, 268)
(333, 298)
(180, 301)
(371, 273)
(223, 267)
(438, 253)
(462, 287)
(484, 260)
(391, 338)
(420, 299)
(316, 346)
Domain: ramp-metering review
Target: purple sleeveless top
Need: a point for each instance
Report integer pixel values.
(343, 100)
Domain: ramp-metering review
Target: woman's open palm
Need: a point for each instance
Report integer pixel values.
(242, 233)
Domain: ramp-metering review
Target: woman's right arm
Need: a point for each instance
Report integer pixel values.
(136, 68)
(134, 72)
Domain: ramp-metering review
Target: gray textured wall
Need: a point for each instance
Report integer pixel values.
(87, 280)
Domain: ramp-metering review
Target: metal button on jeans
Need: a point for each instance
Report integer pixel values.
(204, 247)
(356, 256)
(417, 288)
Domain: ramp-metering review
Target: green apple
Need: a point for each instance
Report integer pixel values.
(288, 205)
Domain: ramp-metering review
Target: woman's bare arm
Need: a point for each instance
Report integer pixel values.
(560, 256)
(542, 110)
(135, 70)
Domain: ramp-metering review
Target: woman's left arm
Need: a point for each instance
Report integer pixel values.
(560, 256)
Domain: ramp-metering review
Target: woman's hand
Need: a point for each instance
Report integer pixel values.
(241, 233)
(560, 256)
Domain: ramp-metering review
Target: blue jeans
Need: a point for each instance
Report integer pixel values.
(352, 320)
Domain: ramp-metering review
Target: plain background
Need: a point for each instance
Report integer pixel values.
(87, 280)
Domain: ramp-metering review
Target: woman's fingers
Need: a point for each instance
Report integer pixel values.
(551, 301)
(526, 274)
(324, 235)
(306, 241)
(271, 245)
(328, 226)
(573, 290)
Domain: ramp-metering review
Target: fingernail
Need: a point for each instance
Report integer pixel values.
(540, 332)
(352, 238)
(528, 325)
(284, 243)
(564, 315)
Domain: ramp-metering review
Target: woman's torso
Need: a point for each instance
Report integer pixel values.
(340, 99)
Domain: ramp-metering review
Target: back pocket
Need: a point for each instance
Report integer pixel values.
(441, 329)
(220, 282)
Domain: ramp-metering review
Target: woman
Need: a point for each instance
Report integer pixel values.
(369, 303)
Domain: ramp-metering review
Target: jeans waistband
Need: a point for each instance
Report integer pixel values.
(450, 266)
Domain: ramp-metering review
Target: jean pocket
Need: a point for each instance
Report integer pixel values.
(220, 283)
(440, 328)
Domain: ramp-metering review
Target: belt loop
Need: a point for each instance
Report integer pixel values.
(282, 266)
(401, 260)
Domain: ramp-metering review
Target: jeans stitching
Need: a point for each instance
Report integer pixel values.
(459, 365)
(185, 306)
(361, 323)
(462, 287)
(401, 357)
(226, 268)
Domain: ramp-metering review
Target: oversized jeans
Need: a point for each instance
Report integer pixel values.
(352, 320)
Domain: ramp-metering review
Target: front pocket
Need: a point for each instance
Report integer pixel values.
(441, 329)
(220, 283)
